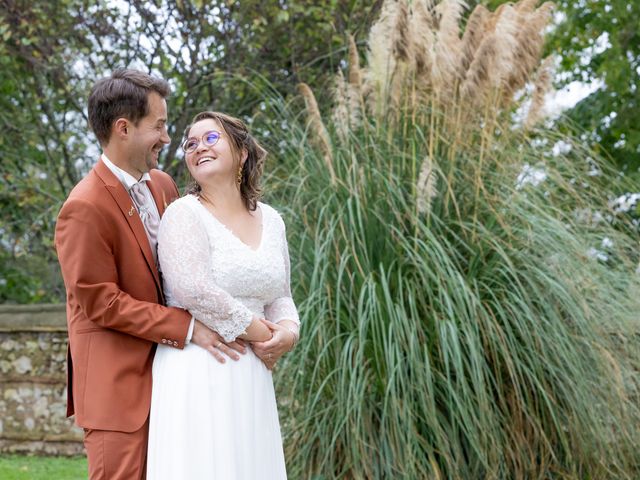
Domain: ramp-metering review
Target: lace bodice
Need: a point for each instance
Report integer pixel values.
(222, 281)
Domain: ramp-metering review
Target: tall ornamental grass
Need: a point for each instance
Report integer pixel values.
(462, 317)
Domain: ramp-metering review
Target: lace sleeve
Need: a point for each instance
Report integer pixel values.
(283, 307)
(183, 253)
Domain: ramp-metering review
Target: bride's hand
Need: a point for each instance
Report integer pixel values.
(281, 342)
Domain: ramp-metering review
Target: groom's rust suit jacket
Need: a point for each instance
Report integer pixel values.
(115, 314)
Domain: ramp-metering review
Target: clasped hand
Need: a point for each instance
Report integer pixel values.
(269, 351)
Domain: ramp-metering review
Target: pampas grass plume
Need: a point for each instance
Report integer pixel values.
(448, 46)
(492, 63)
(529, 43)
(340, 110)
(381, 61)
(526, 6)
(426, 186)
(422, 32)
(473, 32)
(402, 37)
(355, 73)
(318, 130)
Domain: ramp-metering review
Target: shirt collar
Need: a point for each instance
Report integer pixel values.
(125, 178)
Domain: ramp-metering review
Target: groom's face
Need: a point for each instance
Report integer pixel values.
(149, 136)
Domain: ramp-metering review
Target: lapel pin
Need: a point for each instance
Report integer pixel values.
(131, 210)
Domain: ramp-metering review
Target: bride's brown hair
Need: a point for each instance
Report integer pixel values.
(239, 138)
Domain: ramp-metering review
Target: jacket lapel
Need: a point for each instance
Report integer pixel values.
(126, 206)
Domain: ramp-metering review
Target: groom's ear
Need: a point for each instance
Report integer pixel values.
(121, 127)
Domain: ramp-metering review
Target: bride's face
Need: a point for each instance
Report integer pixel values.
(208, 162)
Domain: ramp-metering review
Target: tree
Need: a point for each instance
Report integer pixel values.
(600, 40)
(41, 123)
(210, 53)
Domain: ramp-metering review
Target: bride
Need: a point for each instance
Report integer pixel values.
(224, 257)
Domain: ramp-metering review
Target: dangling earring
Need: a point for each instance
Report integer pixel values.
(239, 176)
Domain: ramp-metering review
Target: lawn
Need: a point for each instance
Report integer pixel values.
(18, 467)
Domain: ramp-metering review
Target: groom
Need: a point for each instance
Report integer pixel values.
(106, 244)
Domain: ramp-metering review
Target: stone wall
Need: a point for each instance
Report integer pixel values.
(33, 348)
(33, 352)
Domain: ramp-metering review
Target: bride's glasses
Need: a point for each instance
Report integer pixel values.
(209, 139)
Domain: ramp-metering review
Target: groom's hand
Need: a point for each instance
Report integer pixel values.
(206, 338)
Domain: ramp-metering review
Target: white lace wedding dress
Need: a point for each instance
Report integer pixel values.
(210, 420)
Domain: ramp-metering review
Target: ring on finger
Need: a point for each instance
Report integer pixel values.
(269, 356)
(218, 344)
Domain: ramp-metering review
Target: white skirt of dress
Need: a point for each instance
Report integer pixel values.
(213, 421)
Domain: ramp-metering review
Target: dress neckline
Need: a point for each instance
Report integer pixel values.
(225, 227)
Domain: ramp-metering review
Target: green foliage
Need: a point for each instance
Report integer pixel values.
(610, 113)
(41, 144)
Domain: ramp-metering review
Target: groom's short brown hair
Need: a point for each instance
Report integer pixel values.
(123, 94)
